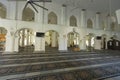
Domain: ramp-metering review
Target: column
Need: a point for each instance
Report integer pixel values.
(97, 44)
(9, 42)
(108, 23)
(11, 10)
(63, 14)
(27, 35)
(83, 44)
(97, 20)
(39, 44)
(62, 43)
(54, 39)
(39, 15)
(16, 44)
(83, 20)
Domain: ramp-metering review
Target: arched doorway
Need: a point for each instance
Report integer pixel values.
(3, 33)
(90, 41)
(104, 41)
(26, 40)
(73, 40)
(51, 40)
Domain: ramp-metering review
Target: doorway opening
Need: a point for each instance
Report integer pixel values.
(73, 41)
(26, 40)
(90, 42)
(51, 40)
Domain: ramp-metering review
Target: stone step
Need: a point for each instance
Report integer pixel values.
(31, 67)
(47, 59)
(90, 72)
(29, 56)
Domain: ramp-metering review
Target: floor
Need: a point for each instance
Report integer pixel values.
(82, 65)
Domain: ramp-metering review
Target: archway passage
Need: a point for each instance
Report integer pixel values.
(26, 40)
(51, 40)
(3, 33)
(73, 41)
(90, 42)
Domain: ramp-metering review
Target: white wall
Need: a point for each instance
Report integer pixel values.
(62, 29)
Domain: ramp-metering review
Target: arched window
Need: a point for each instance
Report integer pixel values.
(89, 23)
(2, 11)
(73, 21)
(52, 18)
(28, 15)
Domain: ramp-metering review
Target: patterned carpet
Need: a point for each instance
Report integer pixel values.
(60, 66)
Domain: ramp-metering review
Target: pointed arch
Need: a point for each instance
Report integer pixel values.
(73, 21)
(28, 14)
(52, 18)
(89, 23)
(3, 11)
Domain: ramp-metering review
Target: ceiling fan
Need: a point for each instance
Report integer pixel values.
(33, 3)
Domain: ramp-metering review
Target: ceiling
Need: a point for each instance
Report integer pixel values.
(95, 5)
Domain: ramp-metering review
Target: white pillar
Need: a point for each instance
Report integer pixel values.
(98, 44)
(97, 20)
(11, 9)
(9, 43)
(108, 23)
(39, 44)
(16, 45)
(39, 15)
(54, 39)
(83, 44)
(63, 15)
(83, 20)
(62, 43)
